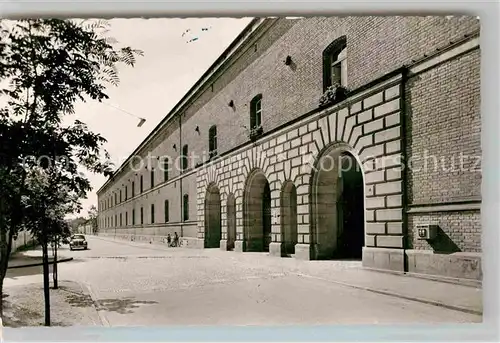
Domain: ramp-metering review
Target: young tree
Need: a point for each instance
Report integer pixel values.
(46, 66)
(92, 213)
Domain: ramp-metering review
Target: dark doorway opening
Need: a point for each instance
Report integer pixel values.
(266, 217)
(231, 222)
(212, 218)
(351, 237)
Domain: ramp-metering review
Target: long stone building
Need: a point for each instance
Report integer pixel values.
(321, 138)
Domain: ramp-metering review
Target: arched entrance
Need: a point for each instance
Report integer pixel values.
(338, 205)
(257, 213)
(231, 221)
(289, 218)
(212, 217)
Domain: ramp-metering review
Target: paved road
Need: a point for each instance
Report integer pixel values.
(138, 284)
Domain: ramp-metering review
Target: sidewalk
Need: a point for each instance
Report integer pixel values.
(460, 297)
(444, 294)
(33, 257)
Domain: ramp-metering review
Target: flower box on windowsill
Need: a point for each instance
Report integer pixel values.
(256, 132)
(212, 154)
(333, 95)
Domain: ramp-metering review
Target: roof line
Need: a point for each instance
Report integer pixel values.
(210, 71)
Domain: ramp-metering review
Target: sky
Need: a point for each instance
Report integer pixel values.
(169, 68)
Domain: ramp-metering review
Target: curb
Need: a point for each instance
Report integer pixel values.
(40, 263)
(456, 281)
(102, 317)
(401, 296)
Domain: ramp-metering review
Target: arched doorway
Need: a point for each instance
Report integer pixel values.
(289, 218)
(338, 205)
(257, 213)
(212, 217)
(231, 221)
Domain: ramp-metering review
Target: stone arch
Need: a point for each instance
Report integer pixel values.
(213, 218)
(256, 212)
(288, 216)
(231, 221)
(337, 203)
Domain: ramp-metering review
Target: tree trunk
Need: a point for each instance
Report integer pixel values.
(46, 290)
(1, 299)
(5, 249)
(54, 267)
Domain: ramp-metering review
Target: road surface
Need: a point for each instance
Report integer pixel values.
(137, 284)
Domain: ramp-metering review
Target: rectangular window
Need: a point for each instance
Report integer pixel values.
(133, 189)
(212, 141)
(256, 112)
(120, 195)
(185, 151)
(186, 207)
(116, 220)
(142, 215)
(126, 218)
(338, 68)
(121, 223)
(141, 184)
(133, 216)
(116, 198)
(152, 178)
(165, 169)
(167, 214)
(152, 213)
(335, 63)
(126, 193)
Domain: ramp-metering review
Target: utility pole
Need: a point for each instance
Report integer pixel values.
(54, 267)
(46, 290)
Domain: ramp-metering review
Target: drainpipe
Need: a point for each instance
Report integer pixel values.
(404, 155)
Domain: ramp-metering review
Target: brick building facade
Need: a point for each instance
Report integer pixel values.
(258, 141)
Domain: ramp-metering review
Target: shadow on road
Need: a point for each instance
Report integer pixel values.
(122, 306)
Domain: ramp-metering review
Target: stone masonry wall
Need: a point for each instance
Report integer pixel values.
(371, 126)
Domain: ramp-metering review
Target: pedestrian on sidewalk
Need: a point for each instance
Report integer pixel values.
(176, 239)
(169, 240)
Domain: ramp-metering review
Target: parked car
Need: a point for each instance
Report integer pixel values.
(77, 242)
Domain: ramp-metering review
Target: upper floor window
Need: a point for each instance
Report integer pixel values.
(152, 178)
(186, 207)
(256, 112)
(116, 196)
(166, 167)
(141, 184)
(167, 211)
(133, 189)
(212, 141)
(185, 151)
(120, 195)
(126, 193)
(335, 63)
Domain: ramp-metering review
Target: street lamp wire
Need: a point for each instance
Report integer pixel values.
(141, 120)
